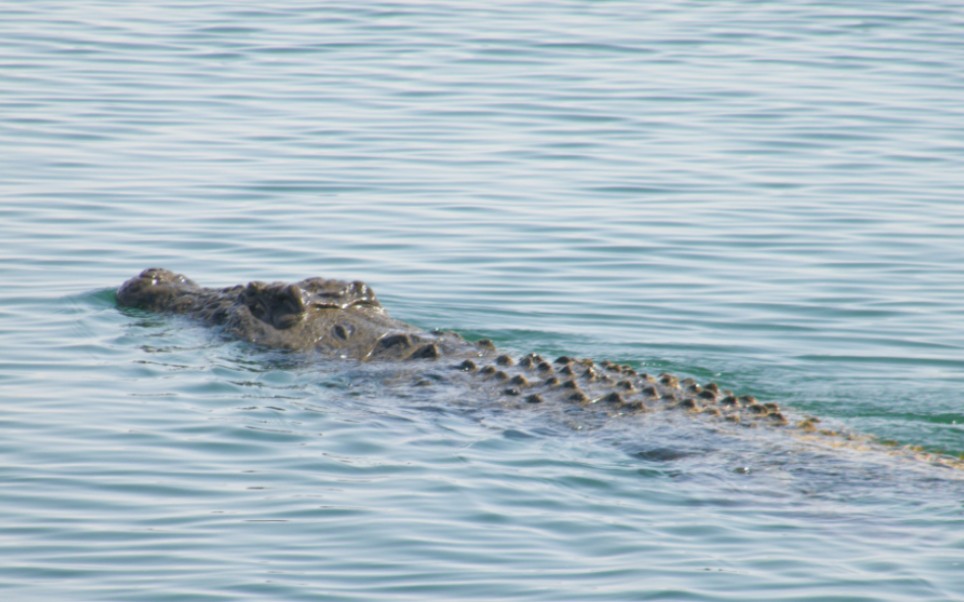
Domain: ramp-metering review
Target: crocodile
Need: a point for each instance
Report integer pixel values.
(343, 320)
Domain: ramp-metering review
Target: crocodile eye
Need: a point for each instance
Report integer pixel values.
(290, 307)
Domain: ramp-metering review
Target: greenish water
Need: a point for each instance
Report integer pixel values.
(767, 195)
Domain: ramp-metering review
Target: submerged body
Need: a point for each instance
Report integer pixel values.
(344, 320)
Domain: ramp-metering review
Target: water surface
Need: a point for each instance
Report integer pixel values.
(767, 195)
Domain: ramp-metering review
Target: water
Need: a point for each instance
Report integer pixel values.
(767, 195)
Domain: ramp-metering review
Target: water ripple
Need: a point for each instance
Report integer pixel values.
(762, 194)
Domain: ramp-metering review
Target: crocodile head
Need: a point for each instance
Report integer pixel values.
(334, 316)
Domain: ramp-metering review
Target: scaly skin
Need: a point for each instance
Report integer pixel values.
(341, 319)
(344, 319)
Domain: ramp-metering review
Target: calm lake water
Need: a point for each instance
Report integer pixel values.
(769, 195)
